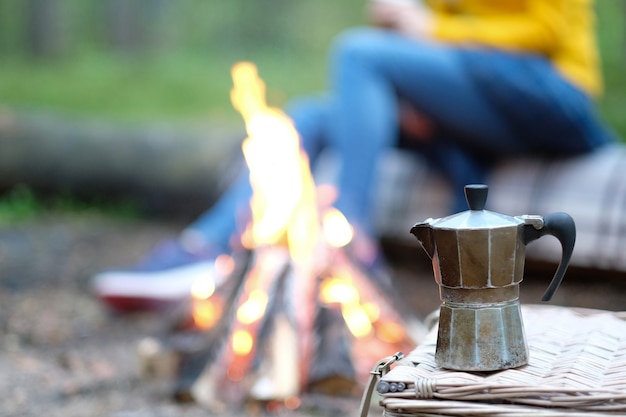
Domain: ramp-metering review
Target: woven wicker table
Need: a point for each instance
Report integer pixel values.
(577, 368)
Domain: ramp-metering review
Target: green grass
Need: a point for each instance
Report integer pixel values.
(174, 87)
(612, 41)
(20, 204)
(171, 87)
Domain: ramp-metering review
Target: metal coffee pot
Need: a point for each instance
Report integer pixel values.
(478, 262)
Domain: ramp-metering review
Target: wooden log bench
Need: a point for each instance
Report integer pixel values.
(591, 188)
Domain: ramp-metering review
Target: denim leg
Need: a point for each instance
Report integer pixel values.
(228, 217)
(368, 69)
(547, 112)
(458, 164)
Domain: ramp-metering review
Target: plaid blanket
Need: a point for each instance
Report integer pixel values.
(591, 188)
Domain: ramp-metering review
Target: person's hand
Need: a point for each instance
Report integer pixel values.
(408, 17)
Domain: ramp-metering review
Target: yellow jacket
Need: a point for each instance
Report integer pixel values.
(562, 30)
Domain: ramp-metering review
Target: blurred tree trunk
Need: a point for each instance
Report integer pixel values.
(131, 26)
(44, 28)
(124, 26)
(267, 22)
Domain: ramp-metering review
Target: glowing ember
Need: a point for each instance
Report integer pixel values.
(203, 288)
(359, 317)
(338, 290)
(390, 332)
(224, 265)
(292, 402)
(356, 319)
(206, 306)
(253, 308)
(242, 342)
(206, 313)
(373, 311)
(337, 230)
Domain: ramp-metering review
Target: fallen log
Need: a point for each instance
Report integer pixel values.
(161, 168)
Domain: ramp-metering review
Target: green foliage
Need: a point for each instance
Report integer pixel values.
(19, 204)
(22, 204)
(612, 41)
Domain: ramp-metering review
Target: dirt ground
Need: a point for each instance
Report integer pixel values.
(62, 354)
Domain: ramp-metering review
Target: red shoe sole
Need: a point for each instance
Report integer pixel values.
(128, 305)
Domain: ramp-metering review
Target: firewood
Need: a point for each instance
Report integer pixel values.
(332, 371)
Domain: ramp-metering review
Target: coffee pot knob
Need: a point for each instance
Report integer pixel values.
(476, 196)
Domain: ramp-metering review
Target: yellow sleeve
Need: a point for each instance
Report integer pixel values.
(538, 26)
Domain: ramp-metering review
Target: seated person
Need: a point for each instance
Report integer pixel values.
(468, 82)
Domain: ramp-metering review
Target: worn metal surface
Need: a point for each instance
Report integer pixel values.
(478, 262)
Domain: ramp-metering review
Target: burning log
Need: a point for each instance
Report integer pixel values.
(334, 371)
(251, 349)
(204, 322)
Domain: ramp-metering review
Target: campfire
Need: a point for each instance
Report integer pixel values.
(293, 312)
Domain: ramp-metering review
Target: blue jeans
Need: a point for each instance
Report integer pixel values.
(358, 118)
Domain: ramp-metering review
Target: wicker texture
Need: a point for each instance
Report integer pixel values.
(577, 367)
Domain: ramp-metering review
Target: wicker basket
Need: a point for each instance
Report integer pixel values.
(577, 368)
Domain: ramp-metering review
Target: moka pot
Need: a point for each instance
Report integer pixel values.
(478, 261)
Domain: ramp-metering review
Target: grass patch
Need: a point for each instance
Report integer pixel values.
(21, 204)
(18, 205)
(612, 42)
(99, 85)
(177, 87)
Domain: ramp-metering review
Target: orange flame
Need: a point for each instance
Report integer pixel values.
(253, 308)
(283, 202)
(359, 317)
(288, 212)
(206, 305)
(205, 313)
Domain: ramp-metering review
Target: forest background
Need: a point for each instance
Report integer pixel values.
(148, 60)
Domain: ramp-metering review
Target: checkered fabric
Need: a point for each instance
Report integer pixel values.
(591, 188)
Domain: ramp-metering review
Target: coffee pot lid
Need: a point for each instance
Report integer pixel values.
(476, 217)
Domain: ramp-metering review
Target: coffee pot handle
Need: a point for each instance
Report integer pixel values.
(562, 226)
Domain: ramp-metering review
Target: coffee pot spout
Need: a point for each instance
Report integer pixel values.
(423, 231)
